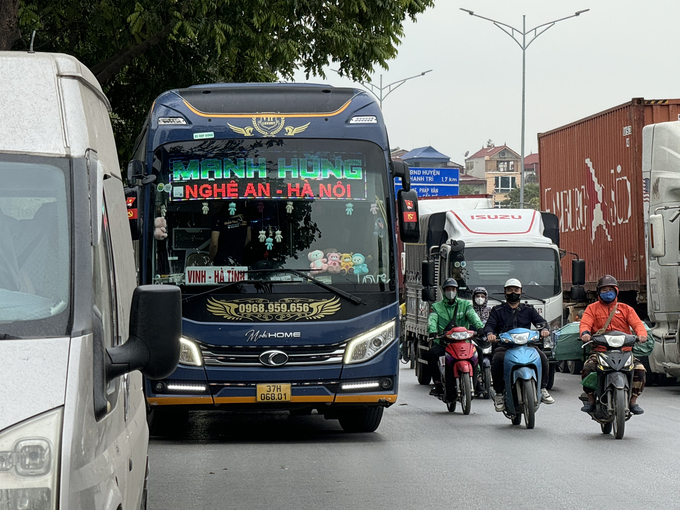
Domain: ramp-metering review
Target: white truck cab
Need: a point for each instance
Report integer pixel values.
(75, 331)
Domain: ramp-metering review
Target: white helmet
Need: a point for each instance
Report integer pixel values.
(513, 282)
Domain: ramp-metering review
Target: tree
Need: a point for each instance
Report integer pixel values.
(468, 189)
(531, 198)
(139, 48)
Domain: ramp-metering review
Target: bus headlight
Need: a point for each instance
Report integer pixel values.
(189, 353)
(369, 344)
(29, 459)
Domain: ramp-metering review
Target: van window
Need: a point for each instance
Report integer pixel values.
(35, 266)
(104, 285)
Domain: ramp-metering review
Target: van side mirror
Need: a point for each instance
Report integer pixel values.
(429, 294)
(407, 210)
(155, 329)
(428, 273)
(657, 236)
(578, 272)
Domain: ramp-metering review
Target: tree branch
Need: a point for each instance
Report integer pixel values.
(108, 69)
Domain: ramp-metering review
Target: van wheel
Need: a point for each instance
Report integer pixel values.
(362, 419)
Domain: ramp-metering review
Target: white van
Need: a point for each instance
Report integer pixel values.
(74, 331)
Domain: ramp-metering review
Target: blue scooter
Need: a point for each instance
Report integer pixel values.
(522, 373)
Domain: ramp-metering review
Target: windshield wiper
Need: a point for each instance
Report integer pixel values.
(354, 299)
(221, 286)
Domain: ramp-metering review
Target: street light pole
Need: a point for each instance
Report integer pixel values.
(514, 33)
(390, 87)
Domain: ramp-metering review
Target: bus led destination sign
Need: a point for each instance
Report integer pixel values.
(285, 178)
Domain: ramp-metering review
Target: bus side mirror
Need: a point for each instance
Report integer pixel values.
(657, 236)
(578, 272)
(400, 170)
(428, 273)
(407, 209)
(134, 218)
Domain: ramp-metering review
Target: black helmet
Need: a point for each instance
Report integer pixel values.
(607, 281)
(450, 282)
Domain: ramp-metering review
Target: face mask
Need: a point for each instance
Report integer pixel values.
(479, 301)
(450, 294)
(608, 296)
(512, 297)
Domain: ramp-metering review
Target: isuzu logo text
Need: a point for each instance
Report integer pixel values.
(495, 217)
(253, 335)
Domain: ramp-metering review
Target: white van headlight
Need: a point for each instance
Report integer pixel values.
(189, 353)
(29, 459)
(367, 345)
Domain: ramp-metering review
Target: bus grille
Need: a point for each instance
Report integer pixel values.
(231, 356)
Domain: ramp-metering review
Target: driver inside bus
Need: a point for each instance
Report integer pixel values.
(231, 233)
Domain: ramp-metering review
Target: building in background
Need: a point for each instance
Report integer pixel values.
(531, 168)
(498, 166)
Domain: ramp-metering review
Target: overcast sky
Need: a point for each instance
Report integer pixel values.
(619, 50)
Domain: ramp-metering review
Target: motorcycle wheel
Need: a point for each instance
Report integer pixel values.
(606, 427)
(620, 402)
(451, 406)
(487, 383)
(517, 419)
(466, 393)
(529, 404)
(552, 368)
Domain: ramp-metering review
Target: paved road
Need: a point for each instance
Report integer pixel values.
(423, 457)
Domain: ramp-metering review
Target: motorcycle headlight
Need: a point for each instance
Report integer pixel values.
(369, 344)
(629, 362)
(603, 360)
(487, 350)
(189, 353)
(29, 459)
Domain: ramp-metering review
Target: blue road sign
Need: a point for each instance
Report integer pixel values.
(432, 182)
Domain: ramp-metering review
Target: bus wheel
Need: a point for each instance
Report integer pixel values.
(362, 419)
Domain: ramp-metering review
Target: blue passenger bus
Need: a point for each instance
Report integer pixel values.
(272, 207)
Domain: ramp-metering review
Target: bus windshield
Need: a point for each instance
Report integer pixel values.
(537, 268)
(35, 260)
(236, 210)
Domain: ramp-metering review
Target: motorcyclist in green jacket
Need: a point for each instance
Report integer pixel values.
(449, 312)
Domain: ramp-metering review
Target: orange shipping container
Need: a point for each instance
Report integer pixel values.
(591, 178)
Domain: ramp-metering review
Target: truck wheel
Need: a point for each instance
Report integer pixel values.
(413, 353)
(552, 367)
(362, 419)
(423, 373)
